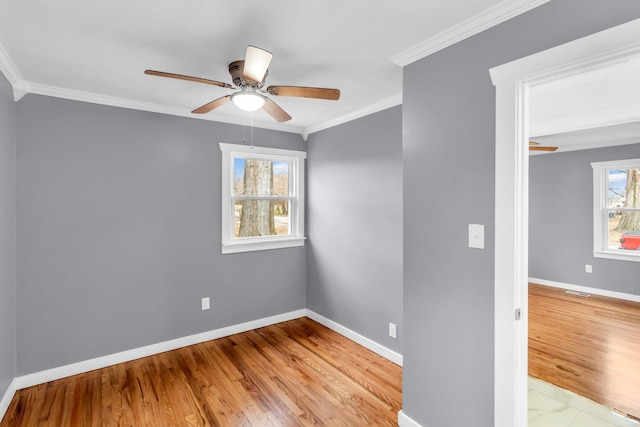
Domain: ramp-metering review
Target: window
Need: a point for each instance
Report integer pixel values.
(616, 212)
(262, 198)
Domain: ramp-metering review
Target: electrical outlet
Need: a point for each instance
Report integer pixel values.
(588, 268)
(393, 330)
(206, 303)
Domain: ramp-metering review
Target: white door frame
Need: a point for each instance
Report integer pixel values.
(512, 82)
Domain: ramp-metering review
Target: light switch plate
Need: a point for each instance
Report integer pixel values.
(476, 236)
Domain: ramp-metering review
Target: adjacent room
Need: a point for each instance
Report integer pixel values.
(324, 254)
(584, 310)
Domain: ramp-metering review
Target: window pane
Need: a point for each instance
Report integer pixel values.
(622, 197)
(255, 218)
(259, 177)
(614, 235)
(238, 176)
(616, 188)
(281, 178)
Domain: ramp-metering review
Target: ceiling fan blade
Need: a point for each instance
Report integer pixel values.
(212, 105)
(275, 111)
(256, 63)
(532, 143)
(541, 148)
(305, 92)
(189, 78)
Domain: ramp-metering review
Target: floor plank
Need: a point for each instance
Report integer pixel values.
(295, 373)
(588, 345)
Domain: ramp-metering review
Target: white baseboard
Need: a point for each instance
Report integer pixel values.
(149, 350)
(7, 398)
(356, 337)
(594, 291)
(405, 421)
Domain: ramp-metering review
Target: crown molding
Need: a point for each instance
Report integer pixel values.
(594, 119)
(476, 24)
(21, 87)
(587, 146)
(82, 96)
(10, 71)
(77, 95)
(500, 13)
(381, 105)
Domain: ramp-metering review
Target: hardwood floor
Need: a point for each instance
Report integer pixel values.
(590, 346)
(295, 373)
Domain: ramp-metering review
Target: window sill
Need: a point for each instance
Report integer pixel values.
(629, 255)
(262, 244)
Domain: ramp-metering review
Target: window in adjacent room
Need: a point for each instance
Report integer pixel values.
(616, 214)
(262, 198)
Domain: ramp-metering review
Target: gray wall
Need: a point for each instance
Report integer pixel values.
(119, 233)
(448, 152)
(561, 221)
(355, 225)
(7, 235)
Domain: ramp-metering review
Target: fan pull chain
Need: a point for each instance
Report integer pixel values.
(252, 130)
(244, 130)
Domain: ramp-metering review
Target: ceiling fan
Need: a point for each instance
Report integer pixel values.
(535, 146)
(248, 78)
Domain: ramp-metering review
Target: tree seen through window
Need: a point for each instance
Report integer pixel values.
(623, 203)
(261, 190)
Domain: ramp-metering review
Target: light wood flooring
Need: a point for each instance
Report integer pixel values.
(590, 346)
(296, 373)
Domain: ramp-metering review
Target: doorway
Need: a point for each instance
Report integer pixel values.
(513, 82)
(580, 306)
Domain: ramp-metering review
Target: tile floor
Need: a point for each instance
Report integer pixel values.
(551, 406)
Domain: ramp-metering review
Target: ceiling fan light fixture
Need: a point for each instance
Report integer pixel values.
(248, 100)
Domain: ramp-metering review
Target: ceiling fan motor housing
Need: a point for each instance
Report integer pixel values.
(236, 68)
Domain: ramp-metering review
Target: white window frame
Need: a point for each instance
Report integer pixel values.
(600, 217)
(296, 238)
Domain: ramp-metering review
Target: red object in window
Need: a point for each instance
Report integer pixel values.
(630, 240)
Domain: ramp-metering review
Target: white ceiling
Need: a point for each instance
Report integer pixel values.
(603, 136)
(97, 51)
(596, 108)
